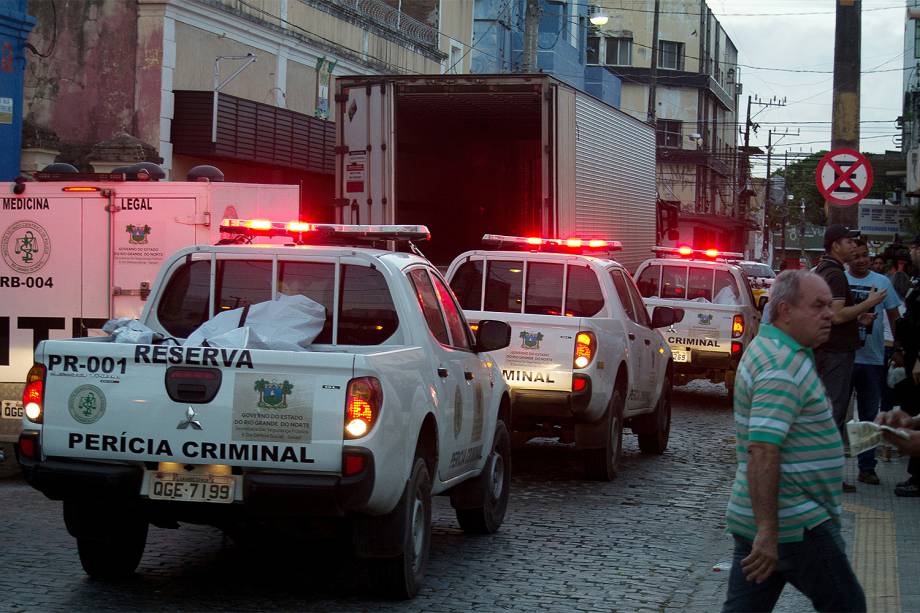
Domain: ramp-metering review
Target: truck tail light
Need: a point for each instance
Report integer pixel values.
(362, 406)
(736, 349)
(353, 464)
(738, 326)
(580, 383)
(585, 348)
(33, 396)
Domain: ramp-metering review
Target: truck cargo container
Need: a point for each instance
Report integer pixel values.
(524, 155)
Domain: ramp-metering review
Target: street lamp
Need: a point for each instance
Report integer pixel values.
(597, 16)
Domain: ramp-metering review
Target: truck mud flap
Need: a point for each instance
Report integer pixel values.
(381, 536)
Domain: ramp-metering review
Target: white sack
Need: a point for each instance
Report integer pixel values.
(129, 330)
(289, 323)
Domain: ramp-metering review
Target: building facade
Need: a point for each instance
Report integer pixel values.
(691, 94)
(148, 68)
(562, 38)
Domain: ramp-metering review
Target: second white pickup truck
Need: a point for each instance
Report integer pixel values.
(396, 400)
(585, 359)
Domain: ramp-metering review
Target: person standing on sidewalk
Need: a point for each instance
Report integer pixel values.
(907, 354)
(869, 373)
(784, 510)
(835, 358)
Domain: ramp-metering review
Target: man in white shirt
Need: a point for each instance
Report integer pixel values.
(869, 369)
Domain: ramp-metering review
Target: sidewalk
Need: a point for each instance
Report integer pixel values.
(881, 531)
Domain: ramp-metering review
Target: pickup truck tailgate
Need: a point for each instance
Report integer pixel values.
(278, 409)
(540, 354)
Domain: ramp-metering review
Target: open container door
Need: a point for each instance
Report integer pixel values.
(365, 152)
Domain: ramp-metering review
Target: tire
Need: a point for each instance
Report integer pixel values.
(494, 484)
(656, 442)
(114, 555)
(400, 577)
(602, 464)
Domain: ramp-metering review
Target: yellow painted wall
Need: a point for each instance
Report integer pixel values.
(255, 83)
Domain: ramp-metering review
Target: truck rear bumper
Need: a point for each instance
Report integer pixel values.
(530, 406)
(265, 493)
(706, 360)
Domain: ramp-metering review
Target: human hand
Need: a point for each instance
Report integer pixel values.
(897, 358)
(866, 319)
(895, 418)
(760, 563)
(875, 296)
(909, 446)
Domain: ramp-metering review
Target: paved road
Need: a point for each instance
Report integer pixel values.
(646, 541)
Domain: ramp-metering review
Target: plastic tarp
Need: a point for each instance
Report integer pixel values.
(129, 330)
(289, 323)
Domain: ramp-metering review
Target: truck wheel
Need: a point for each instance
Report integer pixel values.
(656, 442)
(115, 554)
(401, 576)
(602, 464)
(494, 485)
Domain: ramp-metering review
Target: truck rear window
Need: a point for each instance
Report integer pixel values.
(689, 283)
(366, 312)
(544, 295)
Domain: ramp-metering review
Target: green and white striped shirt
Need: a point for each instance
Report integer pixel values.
(780, 400)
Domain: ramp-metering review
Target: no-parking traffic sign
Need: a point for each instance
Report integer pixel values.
(844, 176)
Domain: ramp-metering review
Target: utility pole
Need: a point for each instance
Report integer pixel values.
(845, 120)
(653, 73)
(767, 229)
(802, 230)
(785, 208)
(774, 101)
(531, 36)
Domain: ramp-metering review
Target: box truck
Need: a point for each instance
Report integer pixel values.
(523, 155)
(82, 249)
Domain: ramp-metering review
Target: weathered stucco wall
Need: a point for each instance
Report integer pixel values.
(85, 89)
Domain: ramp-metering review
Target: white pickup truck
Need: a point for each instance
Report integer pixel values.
(720, 315)
(396, 400)
(585, 360)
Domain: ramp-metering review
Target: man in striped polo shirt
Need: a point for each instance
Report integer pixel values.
(784, 511)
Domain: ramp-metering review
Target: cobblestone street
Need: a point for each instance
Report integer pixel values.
(646, 541)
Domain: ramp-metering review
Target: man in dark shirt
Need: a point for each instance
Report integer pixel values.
(907, 354)
(834, 359)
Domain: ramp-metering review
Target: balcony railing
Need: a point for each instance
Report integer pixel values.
(382, 13)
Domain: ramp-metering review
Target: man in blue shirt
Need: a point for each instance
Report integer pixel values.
(869, 369)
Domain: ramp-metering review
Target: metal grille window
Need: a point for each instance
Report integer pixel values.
(618, 52)
(670, 55)
(669, 132)
(594, 50)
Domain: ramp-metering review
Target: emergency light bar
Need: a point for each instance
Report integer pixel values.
(571, 245)
(310, 232)
(685, 251)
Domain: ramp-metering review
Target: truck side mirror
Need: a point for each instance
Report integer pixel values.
(492, 335)
(663, 316)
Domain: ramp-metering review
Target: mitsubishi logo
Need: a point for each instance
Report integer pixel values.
(189, 421)
(670, 329)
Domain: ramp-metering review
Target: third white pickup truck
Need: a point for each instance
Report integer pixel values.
(720, 315)
(585, 359)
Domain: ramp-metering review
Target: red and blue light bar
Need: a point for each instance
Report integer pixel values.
(567, 245)
(303, 230)
(688, 252)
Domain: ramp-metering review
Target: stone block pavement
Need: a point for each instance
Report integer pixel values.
(645, 542)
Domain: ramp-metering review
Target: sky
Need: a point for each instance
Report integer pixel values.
(799, 35)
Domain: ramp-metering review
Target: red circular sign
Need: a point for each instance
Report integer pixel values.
(844, 176)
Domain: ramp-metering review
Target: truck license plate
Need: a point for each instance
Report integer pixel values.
(680, 356)
(12, 409)
(191, 488)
